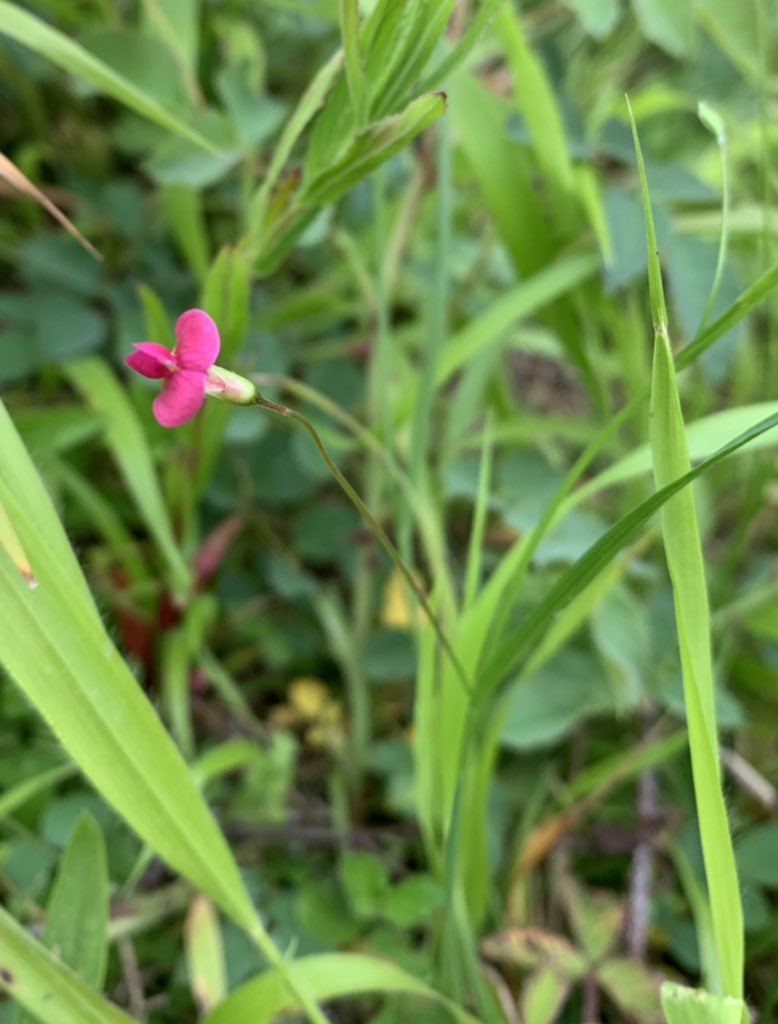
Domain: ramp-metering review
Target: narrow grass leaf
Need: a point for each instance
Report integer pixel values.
(14, 176)
(521, 301)
(683, 550)
(682, 1005)
(538, 104)
(510, 651)
(156, 318)
(54, 645)
(76, 925)
(704, 436)
(355, 75)
(475, 546)
(19, 476)
(326, 976)
(460, 52)
(715, 124)
(310, 102)
(184, 211)
(427, 22)
(685, 563)
(105, 519)
(372, 147)
(55, 46)
(18, 795)
(44, 986)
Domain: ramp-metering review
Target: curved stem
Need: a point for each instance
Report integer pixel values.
(378, 531)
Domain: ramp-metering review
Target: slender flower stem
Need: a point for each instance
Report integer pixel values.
(378, 531)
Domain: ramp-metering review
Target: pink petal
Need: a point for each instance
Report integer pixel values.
(151, 360)
(197, 341)
(182, 396)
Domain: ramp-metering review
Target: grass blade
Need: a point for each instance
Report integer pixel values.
(77, 912)
(55, 46)
(310, 102)
(355, 76)
(682, 1005)
(327, 976)
(515, 646)
(683, 550)
(14, 176)
(44, 986)
(54, 645)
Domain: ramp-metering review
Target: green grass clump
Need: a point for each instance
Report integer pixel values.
(445, 694)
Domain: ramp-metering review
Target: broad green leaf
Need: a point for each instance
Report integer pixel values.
(735, 30)
(632, 988)
(327, 976)
(365, 881)
(685, 563)
(205, 955)
(667, 23)
(177, 24)
(413, 901)
(596, 918)
(756, 858)
(543, 995)
(76, 925)
(142, 58)
(127, 443)
(55, 46)
(598, 17)
(682, 1005)
(46, 987)
(551, 701)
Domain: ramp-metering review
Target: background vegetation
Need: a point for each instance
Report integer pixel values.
(419, 223)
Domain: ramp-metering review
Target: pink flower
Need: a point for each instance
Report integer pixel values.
(185, 371)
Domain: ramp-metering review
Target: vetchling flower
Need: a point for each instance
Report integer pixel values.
(188, 372)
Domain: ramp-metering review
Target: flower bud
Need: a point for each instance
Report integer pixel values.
(227, 386)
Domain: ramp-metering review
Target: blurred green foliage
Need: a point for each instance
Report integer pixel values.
(478, 256)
